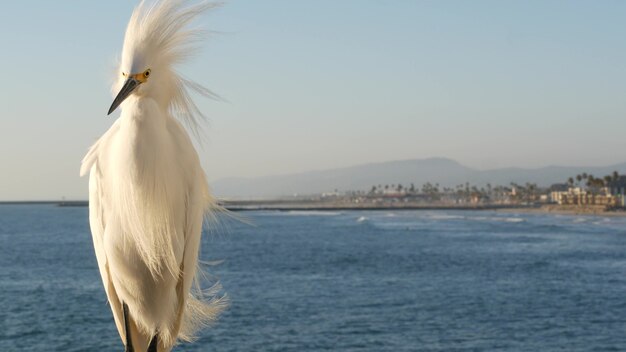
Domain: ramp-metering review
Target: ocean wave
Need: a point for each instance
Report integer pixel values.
(496, 219)
(603, 221)
(445, 217)
(312, 213)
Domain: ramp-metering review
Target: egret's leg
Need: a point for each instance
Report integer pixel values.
(153, 344)
(129, 342)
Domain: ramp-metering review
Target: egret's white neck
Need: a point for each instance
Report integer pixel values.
(143, 110)
(144, 127)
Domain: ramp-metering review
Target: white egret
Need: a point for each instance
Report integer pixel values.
(148, 194)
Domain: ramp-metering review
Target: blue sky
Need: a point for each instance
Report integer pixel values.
(321, 84)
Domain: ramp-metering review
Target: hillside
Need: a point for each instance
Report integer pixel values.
(444, 171)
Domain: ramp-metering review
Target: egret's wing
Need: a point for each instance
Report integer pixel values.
(97, 222)
(187, 315)
(194, 311)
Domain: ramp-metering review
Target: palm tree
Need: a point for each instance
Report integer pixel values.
(615, 176)
(532, 188)
(570, 181)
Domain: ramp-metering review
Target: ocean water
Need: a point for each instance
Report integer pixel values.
(343, 281)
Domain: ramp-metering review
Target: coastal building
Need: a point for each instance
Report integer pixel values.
(570, 196)
(580, 196)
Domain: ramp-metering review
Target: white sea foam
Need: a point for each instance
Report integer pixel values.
(496, 219)
(362, 219)
(313, 213)
(445, 217)
(603, 221)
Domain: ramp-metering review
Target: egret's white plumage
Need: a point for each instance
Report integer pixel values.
(147, 191)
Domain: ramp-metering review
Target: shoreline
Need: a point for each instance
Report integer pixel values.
(368, 207)
(573, 210)
(278, 205)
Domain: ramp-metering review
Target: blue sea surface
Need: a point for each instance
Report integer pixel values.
(343, 281)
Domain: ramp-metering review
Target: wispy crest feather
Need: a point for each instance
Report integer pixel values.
(160, 33)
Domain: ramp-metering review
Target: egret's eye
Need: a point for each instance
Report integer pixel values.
(146, 74)
(124, 74)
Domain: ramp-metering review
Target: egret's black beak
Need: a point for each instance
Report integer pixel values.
(130, 85)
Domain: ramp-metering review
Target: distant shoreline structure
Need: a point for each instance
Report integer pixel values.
(61, 203)
(287, 205)
(282, 205)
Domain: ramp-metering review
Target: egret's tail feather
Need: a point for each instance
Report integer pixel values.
(200, 312)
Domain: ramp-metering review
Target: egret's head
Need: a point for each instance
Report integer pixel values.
(131, 84)
(157, 38)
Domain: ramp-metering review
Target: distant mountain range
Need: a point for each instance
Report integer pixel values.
(444, 171)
